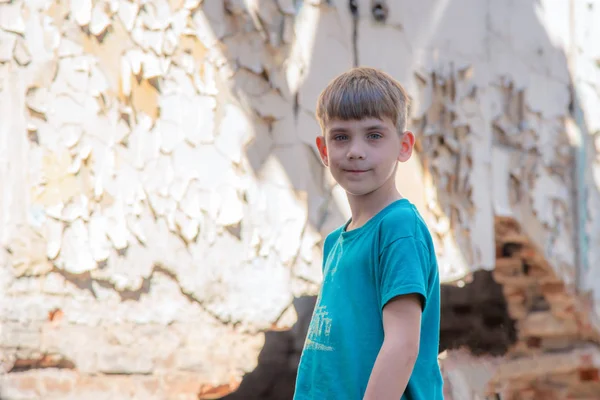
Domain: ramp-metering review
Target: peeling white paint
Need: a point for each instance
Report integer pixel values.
(99, 21)
(7, 44)
(11, 18)
(21, 53)
(235, 131)
(54, 237)
(98, 228)
(81, 11)
(127, 13)
(75, 255)
(162, 149)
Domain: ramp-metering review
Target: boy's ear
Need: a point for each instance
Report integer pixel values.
(323, 150)
(407, 144)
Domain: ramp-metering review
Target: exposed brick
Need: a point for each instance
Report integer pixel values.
(208, 392)
(589, 374)
(151, 384)
(551, 360)
(57, 384)
(27, 383)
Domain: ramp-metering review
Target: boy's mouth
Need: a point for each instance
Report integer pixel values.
(356, 171)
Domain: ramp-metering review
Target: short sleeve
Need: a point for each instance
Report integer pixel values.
(328, 244)
(403, 269)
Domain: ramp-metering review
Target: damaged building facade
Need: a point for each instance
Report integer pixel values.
(163, 206)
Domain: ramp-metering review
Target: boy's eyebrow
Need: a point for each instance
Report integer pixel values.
(376, 127)
(338, 130)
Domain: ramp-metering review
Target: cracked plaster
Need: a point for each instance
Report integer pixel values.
(157, 165)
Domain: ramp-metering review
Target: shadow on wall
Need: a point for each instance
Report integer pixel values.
(274, 377)
(474, 317)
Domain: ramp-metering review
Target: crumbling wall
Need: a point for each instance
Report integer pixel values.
(162, 204)
(475, 316)
(554, 353)
(154, 221)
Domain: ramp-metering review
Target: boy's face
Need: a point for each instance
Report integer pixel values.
(362, 154)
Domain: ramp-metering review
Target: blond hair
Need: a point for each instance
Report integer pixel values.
(363, 92)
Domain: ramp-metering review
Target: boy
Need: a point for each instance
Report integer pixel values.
(374, 333)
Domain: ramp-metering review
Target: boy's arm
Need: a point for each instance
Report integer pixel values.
(394, 364)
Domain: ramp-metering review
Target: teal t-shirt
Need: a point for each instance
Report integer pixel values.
(363, 269)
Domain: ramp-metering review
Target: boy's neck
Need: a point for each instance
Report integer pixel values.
(365, 207)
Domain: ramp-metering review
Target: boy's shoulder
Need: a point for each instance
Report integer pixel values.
(332, 237)
(403, 220)
(399, 220)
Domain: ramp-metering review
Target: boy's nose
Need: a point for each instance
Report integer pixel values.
(356, 152)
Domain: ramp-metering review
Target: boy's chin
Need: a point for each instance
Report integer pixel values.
(357, 190)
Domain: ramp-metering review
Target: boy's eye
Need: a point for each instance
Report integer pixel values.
(340, 137)
(375, 136)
